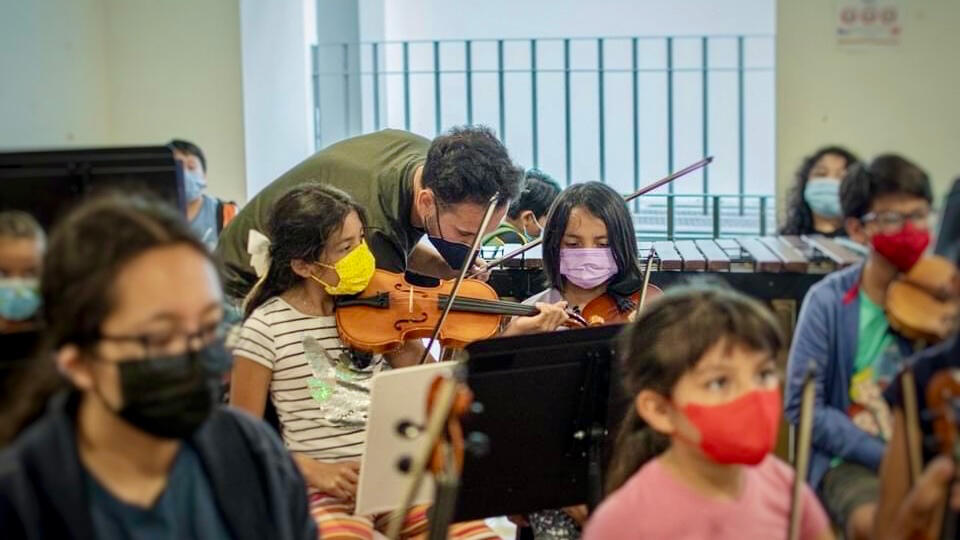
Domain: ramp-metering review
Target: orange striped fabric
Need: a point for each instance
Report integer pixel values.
(336, 521)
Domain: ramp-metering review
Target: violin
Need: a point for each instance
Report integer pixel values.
(923, 304)
(943, 400)
(391, 311)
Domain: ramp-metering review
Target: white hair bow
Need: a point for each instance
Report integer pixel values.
(258, 246)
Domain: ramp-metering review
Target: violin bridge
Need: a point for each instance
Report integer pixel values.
(410, 301)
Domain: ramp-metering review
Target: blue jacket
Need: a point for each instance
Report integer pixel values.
(827, 333)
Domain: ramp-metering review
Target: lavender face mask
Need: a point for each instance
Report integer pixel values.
(587, 267)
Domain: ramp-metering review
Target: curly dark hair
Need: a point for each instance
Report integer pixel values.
(469, 164)
(799, 216)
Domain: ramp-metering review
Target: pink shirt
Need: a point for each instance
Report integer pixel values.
(655, 504)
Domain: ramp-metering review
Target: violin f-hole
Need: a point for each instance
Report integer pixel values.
(398, 325)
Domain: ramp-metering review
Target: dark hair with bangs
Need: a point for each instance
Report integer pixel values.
(606, 204)
(299, 226)
(887, 174)
(667, 340)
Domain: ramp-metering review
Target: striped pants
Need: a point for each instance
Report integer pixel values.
(336, 521)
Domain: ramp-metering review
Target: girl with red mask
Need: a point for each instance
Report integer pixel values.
(693, 455)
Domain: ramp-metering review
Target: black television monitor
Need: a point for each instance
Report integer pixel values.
(47, 183)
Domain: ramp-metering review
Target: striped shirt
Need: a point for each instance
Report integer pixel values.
(321, 399)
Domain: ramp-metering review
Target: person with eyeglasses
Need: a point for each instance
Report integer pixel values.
(137, 446)
(843, 329)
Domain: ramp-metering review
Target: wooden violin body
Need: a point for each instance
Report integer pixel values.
(924, 304)
(391, 311)
(603, 309)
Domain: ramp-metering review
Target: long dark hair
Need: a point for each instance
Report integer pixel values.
(605, 203)
(299, 226)
(799, 217)
(666, 341)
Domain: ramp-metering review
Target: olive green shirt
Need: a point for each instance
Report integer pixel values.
(376, 170)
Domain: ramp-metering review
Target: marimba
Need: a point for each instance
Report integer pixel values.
(777, 269)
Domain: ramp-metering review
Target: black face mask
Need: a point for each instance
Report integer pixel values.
(172, 396)
(454, 253)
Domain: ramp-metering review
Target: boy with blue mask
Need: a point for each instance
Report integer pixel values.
(22, 244)
(207, 215)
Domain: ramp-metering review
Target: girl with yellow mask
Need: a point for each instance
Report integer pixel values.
(288, 349)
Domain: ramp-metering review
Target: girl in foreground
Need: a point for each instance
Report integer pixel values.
(693, 456)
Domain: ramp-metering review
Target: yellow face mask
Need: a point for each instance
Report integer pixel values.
(355, 270)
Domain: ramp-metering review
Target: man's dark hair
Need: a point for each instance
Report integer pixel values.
(539, 192)
(469, 164)
(188, 147)
(887, 174)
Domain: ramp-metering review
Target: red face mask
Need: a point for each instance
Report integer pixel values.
(904, 247)
(742, 431)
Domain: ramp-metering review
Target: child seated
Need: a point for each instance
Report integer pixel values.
(22, 243)
(693, 456)
(843, 328)
(289, 351)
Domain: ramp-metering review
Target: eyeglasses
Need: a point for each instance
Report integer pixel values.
(158, 344)
(894, 221)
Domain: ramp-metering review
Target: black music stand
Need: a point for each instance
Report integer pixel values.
(551, 405)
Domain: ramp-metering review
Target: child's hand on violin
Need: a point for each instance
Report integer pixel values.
(551, 317)
(337, 479)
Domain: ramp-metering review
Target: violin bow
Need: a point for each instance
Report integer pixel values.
(646, 280)
(802, 464)
(911, 416)
(642, 191)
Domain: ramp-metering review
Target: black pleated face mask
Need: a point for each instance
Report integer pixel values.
(172, 396)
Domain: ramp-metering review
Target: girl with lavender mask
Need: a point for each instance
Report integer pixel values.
(589, 249)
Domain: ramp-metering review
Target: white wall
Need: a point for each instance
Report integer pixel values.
(174, 71)
(125, 72)
(277, 87)
(901, 99)
(54, 74)
(462, 19)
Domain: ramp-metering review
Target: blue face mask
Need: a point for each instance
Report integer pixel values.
(454, 253)
(193, 184)
(19, 299)
(823, 195)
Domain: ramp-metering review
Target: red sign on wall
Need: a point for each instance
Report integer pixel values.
(869, 22)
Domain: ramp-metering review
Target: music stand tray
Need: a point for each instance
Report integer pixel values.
(551, 405)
